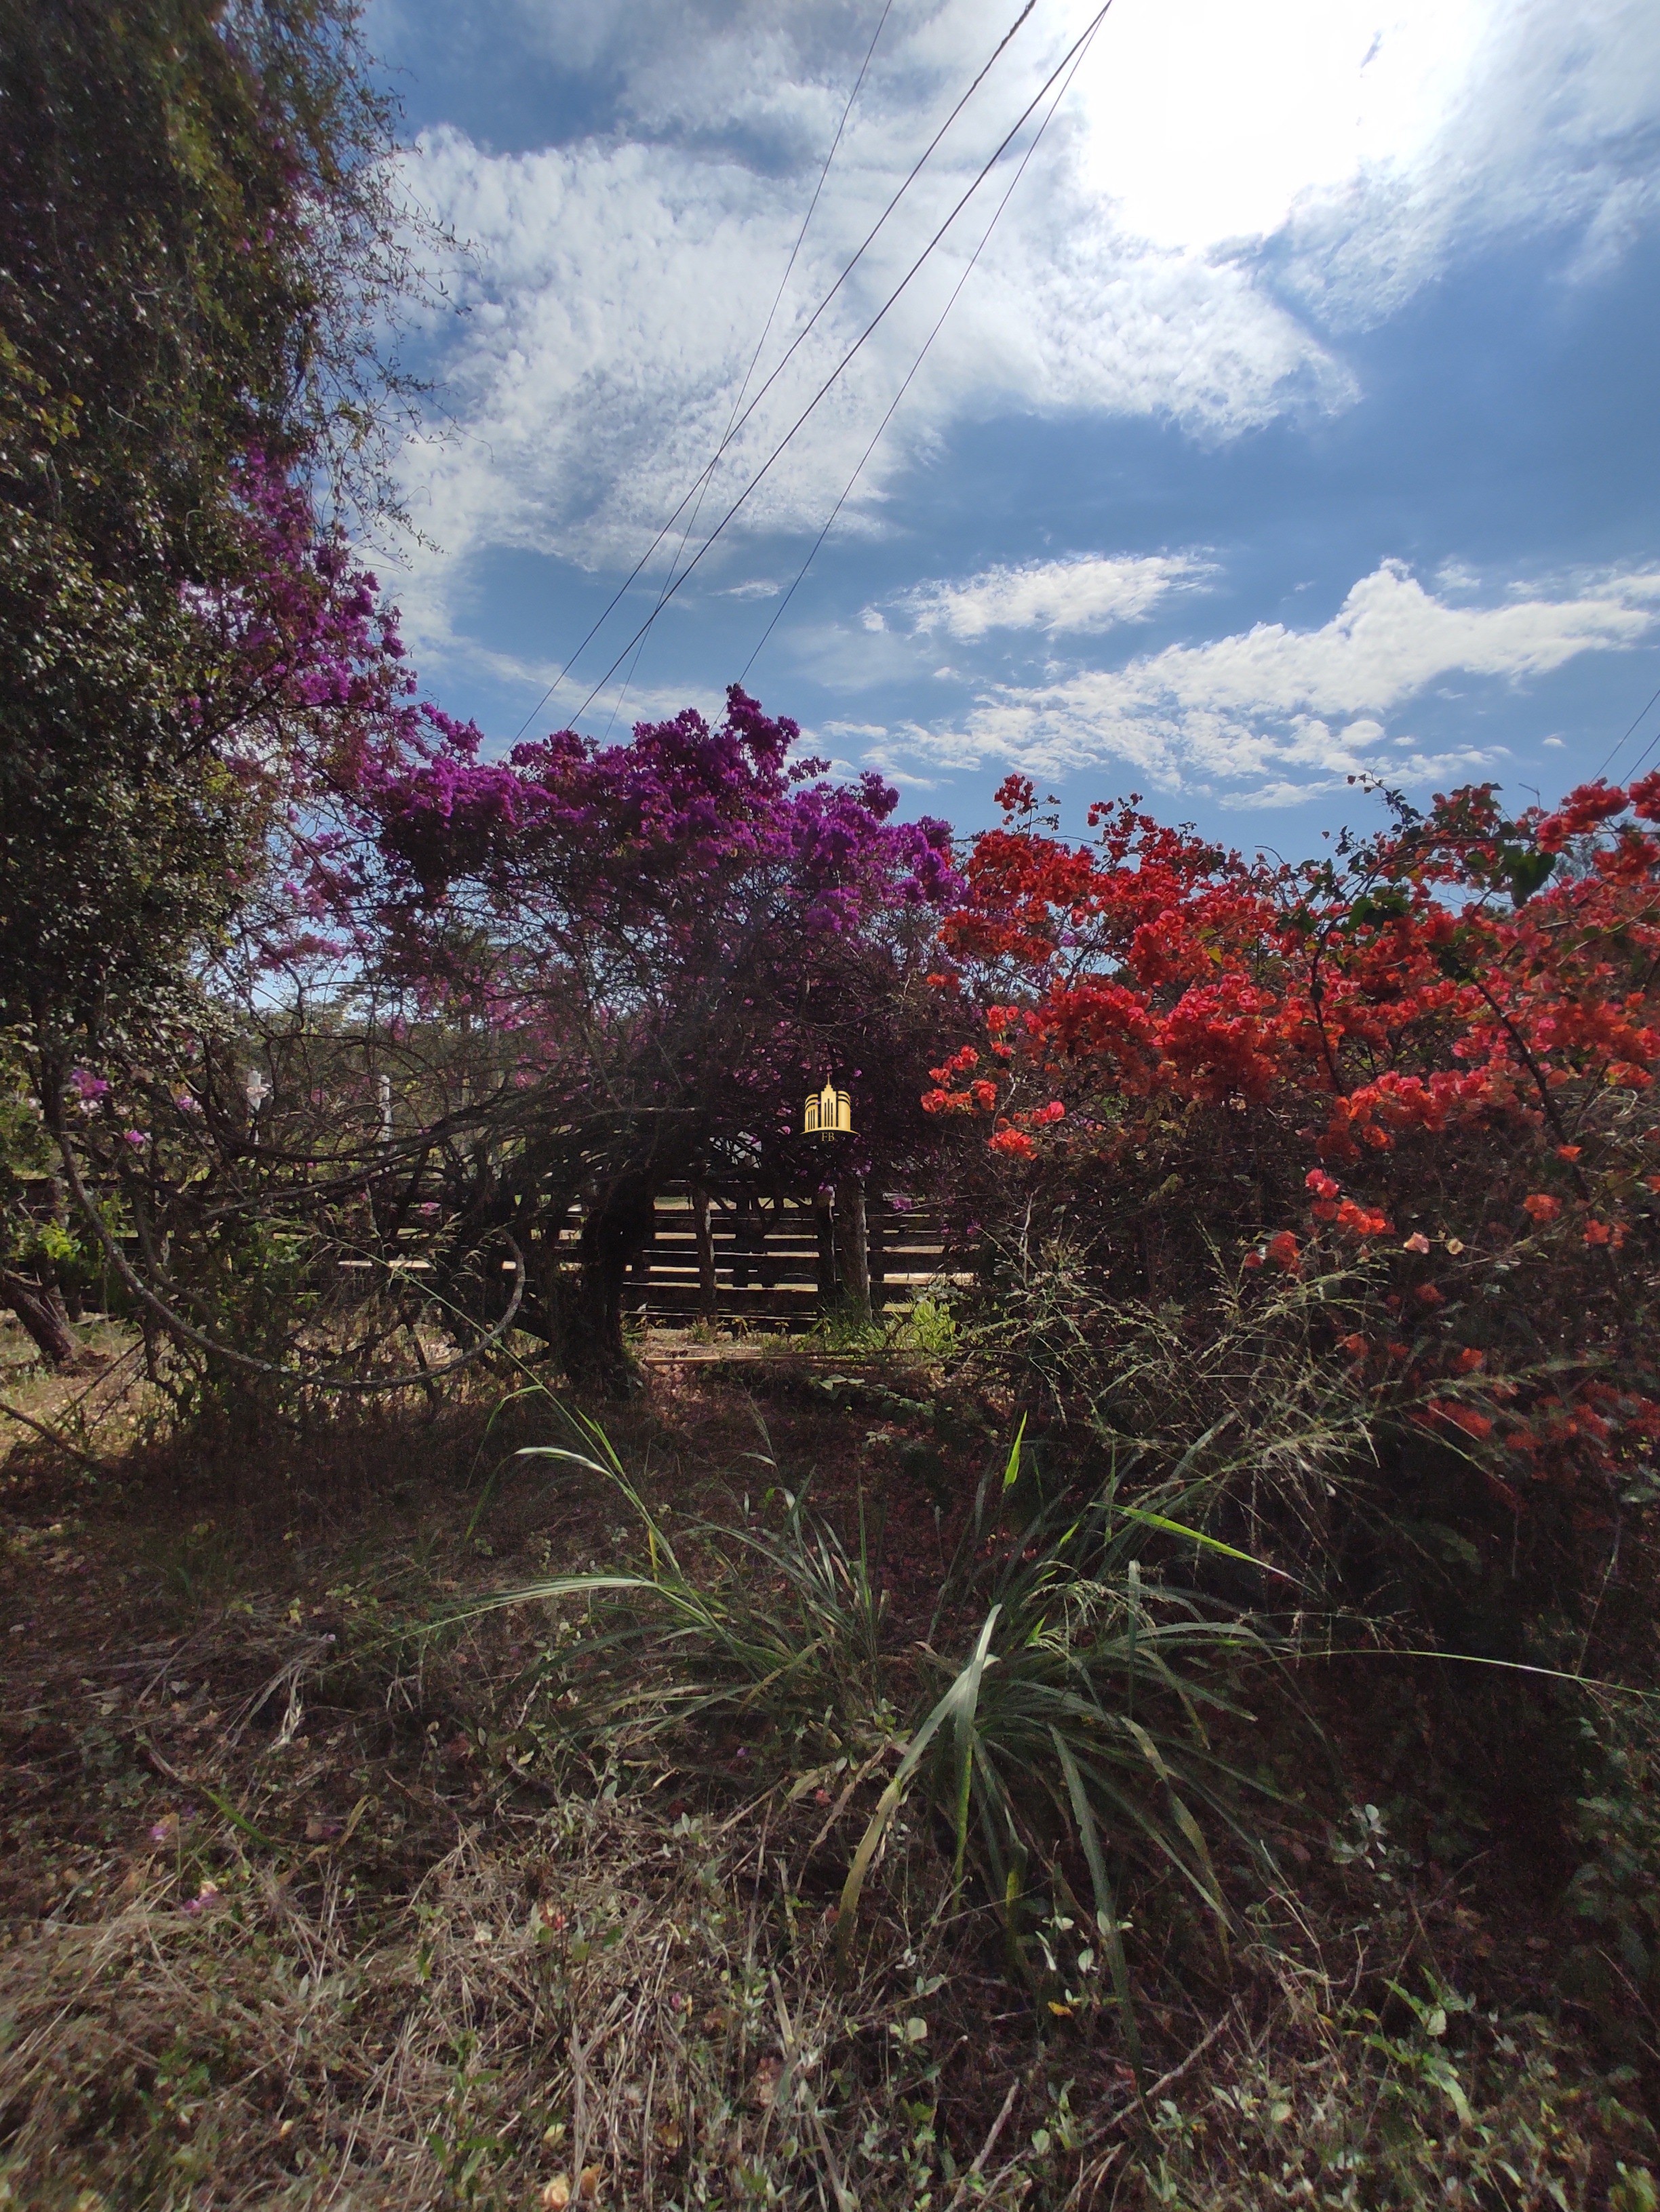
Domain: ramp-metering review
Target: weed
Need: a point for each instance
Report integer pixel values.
(1075, 1726)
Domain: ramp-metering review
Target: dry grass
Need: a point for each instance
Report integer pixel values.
(305, 1907)
(594, 1993)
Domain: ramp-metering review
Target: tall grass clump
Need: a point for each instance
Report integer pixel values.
(1060, 1723)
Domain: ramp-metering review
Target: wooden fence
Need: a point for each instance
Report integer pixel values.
(775, 1263)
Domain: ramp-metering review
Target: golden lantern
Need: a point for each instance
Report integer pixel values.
(830, 1112)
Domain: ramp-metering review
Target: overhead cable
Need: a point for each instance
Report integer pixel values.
(708, 477)
(1624, 741)
(1641, 762)
(1061, 66)
(734, 428)
(910, 373)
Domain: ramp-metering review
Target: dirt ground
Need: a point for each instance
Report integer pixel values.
(304, 1899)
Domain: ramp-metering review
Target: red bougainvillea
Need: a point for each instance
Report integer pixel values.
(1455, 1022)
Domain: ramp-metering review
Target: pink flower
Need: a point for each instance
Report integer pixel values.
(89, 1090)
(1416, 1242)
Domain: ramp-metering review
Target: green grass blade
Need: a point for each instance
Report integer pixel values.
(1106, 1908)
(1198, 1536)
(967, 1690)
(889, 1802)
(1012, 1472)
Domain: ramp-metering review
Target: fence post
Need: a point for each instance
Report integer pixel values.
(823, 1222)
(707, 1296)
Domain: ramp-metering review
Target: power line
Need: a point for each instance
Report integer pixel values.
(1020, 125)
(1619, 748)
(733, 430)
(760, 343)
(910, 373)
(1642, 758)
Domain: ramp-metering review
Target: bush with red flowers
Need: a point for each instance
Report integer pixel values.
(1431, 1049)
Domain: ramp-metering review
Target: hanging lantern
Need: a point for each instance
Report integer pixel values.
(830, 1112)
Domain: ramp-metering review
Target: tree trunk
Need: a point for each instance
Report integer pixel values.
(41, 1312)
(852, 1246)
(707, 1287)
(591, 1334)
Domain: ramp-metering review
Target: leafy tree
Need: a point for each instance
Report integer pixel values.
(198, 243)
(674, 939)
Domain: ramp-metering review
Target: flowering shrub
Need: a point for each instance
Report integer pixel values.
(1437, 1042)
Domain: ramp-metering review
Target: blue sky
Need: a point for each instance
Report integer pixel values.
(1297, 419)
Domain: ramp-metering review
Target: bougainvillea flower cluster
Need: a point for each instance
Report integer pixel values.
(1455, 1018)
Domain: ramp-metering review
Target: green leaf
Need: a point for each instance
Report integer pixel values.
(1012, 1472)
(888, 1804)
(1106, 1909)
(1198, 1536)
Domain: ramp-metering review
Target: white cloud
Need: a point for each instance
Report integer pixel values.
(617, 285)
(1075, 597)
(1221, 180)
(1379, 136)
(1544, 122)
(1273, 715)
(613, 304)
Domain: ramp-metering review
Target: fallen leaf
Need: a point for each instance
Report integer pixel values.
(557, 2195)
(764, 2088)
(588, 2187)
